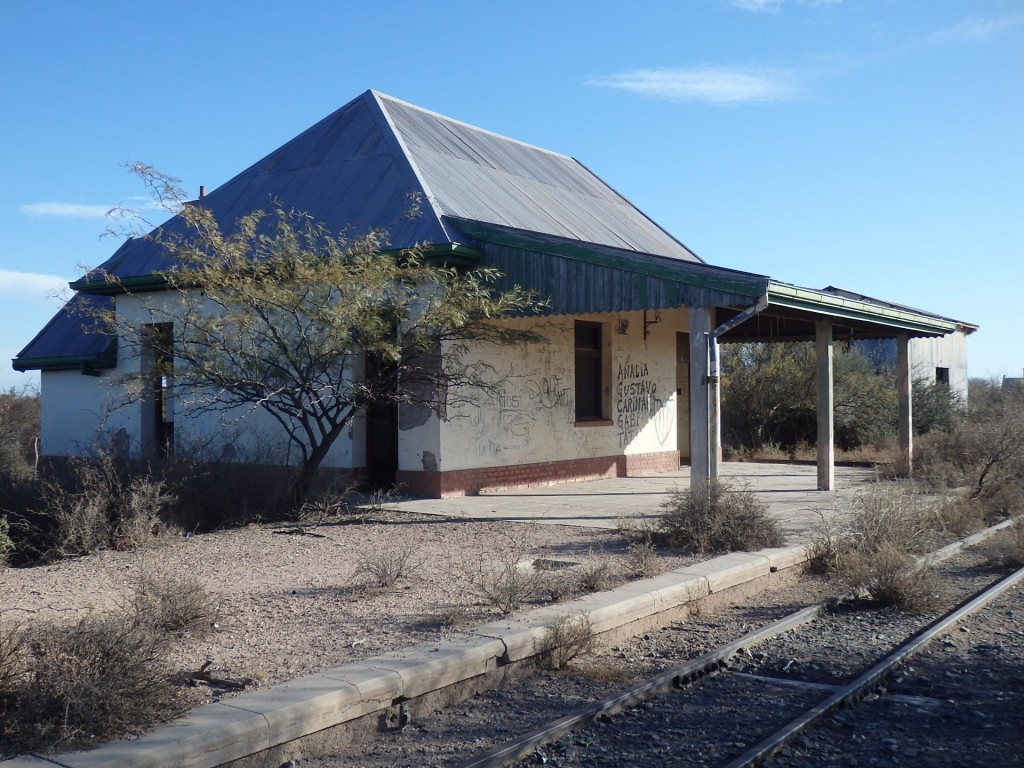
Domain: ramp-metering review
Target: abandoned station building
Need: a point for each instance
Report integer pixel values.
(626, 382)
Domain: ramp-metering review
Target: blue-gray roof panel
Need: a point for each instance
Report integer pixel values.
(74, 333)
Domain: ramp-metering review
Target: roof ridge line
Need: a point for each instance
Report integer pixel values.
(392, 135)
(464, 124)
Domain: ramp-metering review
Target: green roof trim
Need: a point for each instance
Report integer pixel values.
(650, 265)
(105, 359)
(842, 307)
(119, 286)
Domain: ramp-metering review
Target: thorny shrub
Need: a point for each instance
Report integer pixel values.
(177, 605)
(385, 564)
(569, 637)
(892, 577)
(594, 574)
(101, 678)
(715, 516)
(871, 548)
(508, 582)
(95, 504)
(981, 455)
(643, 561)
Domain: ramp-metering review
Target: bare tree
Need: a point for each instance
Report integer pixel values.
(280, 315)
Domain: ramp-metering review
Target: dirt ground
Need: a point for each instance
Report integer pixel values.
(292, 604)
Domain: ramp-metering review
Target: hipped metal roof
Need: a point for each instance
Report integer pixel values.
(543, 219)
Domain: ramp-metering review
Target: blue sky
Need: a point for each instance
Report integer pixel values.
(875, 145)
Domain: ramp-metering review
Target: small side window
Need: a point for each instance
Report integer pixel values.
(589, 371)
(942, 376)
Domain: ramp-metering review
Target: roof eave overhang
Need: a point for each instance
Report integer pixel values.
(826, 305)
(85, 363)
(115, 286)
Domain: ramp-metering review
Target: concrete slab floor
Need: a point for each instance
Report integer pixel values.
(789, 490)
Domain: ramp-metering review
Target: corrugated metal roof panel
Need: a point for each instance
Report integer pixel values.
(73, 335)
(475, 174)
(355, 170)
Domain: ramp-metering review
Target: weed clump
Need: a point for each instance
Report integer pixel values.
(569, 637)
(173, 605)
(872, 548)
(386, 564)
(715, 517)
(68, 686)
(1006, 549)
(892, 577)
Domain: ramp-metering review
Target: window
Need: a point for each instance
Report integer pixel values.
(589, 371)
(942, 376)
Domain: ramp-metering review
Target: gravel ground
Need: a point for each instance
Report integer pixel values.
(699, 726)
(293, 604)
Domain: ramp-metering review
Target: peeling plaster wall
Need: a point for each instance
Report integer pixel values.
(531, 417)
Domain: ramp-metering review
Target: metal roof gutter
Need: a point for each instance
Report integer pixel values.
(87, 364)
(830, 305)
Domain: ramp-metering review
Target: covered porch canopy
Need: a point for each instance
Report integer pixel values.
(723, 304)
(790, 313)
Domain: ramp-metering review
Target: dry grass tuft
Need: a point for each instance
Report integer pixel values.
(892, 577)
(173, 605)
(1006, 549)
(569, 637)
(387, 563)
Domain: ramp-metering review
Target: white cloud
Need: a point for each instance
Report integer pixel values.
(30, 285)
(976, 30)
(713, 85)
(72, 210)
(774, 6)
(757, 6)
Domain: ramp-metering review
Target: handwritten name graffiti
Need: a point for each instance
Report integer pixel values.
(514, 412)
(549, 392)
(636, 398)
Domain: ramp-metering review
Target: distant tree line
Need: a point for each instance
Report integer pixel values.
(769, 398)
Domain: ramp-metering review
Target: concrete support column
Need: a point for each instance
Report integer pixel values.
(701, 325)
(906, 407)
(826, 406)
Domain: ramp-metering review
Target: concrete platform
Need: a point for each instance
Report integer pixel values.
(270, 718)
(789, 490)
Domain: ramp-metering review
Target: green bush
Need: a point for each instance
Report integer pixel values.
(714, 516)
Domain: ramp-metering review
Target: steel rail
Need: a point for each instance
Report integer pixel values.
(681, 675)
(874, 677)
(672, 678)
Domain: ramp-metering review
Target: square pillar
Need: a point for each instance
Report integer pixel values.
(701, 325)
(826, 406)
(905, 414)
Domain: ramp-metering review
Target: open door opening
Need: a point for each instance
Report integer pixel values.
(381, 435)
(683, 396)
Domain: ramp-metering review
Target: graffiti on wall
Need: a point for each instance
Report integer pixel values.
(523, 401)
(637, 402)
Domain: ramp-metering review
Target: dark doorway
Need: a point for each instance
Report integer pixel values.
(381, 434)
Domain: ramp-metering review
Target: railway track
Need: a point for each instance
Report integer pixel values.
(661, 729)
(648, 706)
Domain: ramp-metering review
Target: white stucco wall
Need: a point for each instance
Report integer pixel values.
(531, 417)
(79, 410)
(76, 413)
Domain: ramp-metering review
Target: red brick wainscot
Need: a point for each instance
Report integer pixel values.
(469, 482)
